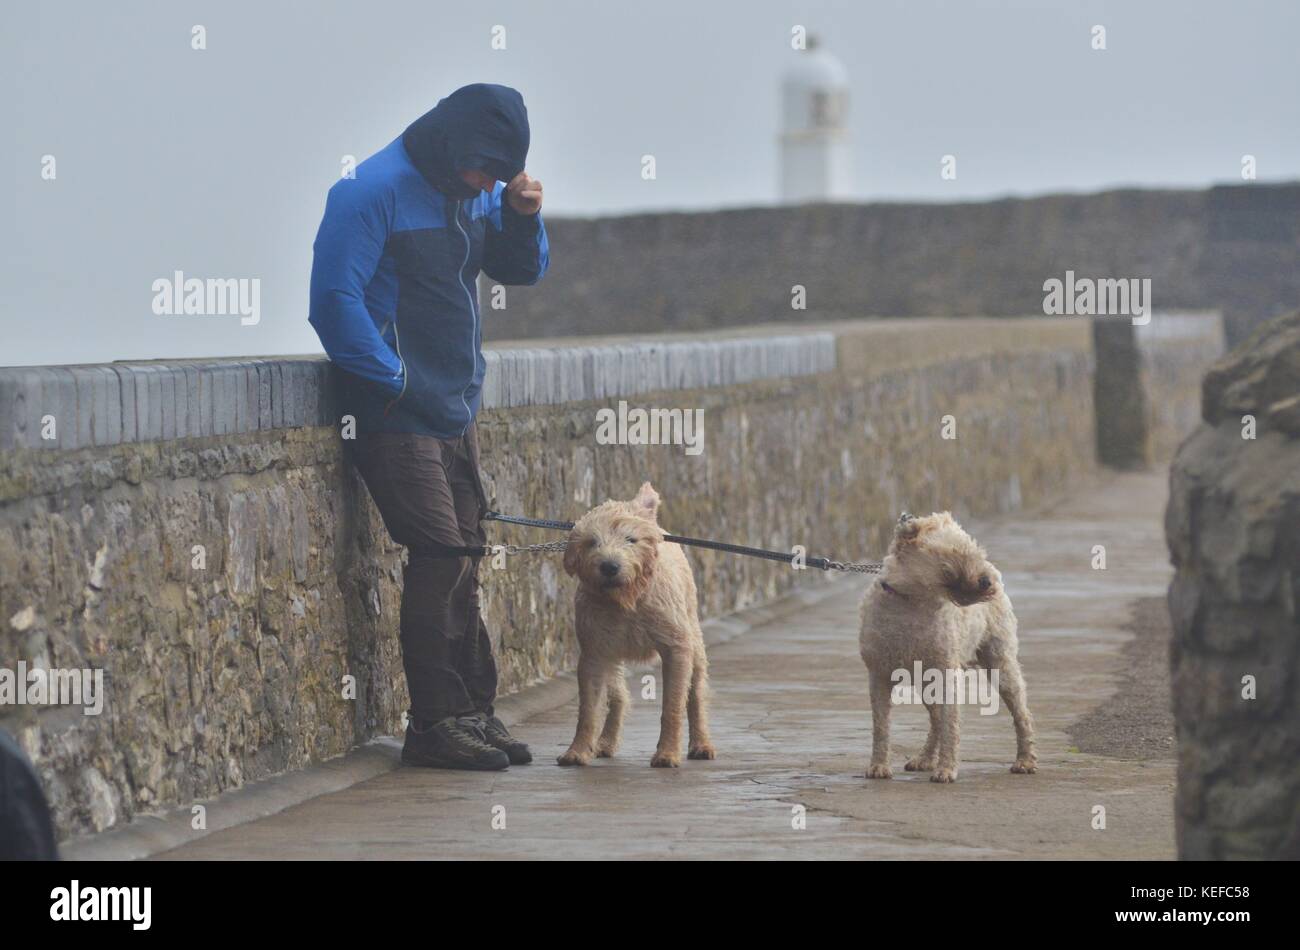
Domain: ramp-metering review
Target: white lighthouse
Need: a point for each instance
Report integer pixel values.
(814, 127)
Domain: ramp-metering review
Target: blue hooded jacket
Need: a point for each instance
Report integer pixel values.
(393, 294)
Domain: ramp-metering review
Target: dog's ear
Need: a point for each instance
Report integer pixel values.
(908, 526)
(945, 519)
(647, 501)
(571, 555)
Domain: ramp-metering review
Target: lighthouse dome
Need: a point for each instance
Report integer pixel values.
(815, 91)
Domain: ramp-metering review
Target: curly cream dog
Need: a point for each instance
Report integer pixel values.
(635, 599)
(939, 601)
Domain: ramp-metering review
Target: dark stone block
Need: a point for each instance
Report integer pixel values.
(208, 397)
(265, 413)
(1120, 396)
(126, 393)
(174, 402)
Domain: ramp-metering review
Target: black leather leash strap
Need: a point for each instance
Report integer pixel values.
(822, 563)
(528, 522)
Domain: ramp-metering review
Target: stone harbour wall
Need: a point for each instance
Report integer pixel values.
(1233, 526)
(194, 531)
(1234, 249)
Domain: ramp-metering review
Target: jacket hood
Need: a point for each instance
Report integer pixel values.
(481, 126)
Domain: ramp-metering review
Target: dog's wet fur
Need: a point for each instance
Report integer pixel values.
(635, 600)
(938, 600)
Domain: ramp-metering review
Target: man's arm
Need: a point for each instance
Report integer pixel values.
(515, 249)
(348, 247)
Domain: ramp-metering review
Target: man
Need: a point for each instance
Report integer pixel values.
(394, 302)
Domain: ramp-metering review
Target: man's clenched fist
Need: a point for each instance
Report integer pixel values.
(524, 194)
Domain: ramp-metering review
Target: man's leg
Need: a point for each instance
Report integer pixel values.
(477, 665)
(408, 477)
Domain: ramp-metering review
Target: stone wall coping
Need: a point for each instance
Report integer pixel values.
(158, 400)
(1181, 325)
(149, 401)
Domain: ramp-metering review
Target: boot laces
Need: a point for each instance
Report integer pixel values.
(467, 732)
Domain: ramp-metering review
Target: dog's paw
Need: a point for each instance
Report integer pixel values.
(663, 760)
(702, 750)
(919, 763)
(573, 757)
(879, 771)
(605, 748)
(944, 776)
(1025, 766)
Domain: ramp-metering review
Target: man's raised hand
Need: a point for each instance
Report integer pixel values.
(524, 194)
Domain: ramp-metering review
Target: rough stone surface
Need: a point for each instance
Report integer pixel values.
(1233, 526)
(229, 668)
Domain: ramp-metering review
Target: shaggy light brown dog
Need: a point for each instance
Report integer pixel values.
(939, 601)
(635, 600)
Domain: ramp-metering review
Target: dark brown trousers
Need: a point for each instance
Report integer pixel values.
(431, 497)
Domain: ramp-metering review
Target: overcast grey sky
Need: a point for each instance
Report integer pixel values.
(216, 162)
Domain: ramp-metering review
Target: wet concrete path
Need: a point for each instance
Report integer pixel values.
(793, 732)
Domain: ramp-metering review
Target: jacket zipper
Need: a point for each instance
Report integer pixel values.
(473, 313)
(397, 344)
